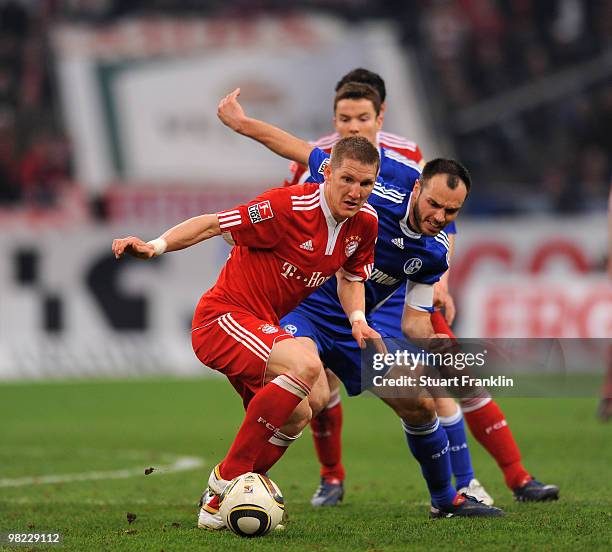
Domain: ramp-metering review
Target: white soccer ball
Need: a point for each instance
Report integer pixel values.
(252, 505)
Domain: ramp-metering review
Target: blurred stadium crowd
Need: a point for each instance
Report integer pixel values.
(522, 89)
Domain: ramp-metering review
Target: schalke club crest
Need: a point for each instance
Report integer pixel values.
(412, 265)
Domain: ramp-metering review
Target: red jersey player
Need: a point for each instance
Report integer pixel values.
(414, 410)
(345, 126)
(288, 242)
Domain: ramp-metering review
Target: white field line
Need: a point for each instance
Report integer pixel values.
(181, 463)
(99, 502)
(128, 454)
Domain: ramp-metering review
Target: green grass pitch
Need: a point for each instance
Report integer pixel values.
(112, 429)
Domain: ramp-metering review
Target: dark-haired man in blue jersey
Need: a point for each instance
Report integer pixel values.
(411, 252)
(400, 158)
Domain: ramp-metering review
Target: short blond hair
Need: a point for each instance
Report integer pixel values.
(357, 148)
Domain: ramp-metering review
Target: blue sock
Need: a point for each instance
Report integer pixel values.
(460, 458)
(429, 445)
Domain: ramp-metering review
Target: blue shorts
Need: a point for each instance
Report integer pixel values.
(337, 347)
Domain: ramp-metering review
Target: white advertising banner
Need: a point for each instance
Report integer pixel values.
(68, 308)
(533, 277)
(537, 307)
(528, 245)
(140, 97)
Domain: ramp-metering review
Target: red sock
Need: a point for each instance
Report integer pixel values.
(488, 425)
(272, 451)
(268, 410)
(439, 324)
(327, 434)
(268, 456)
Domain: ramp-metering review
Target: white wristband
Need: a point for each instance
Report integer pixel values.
(160, 245)
(356, 315)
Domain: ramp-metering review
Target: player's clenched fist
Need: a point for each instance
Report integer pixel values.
(133, 246)
(230, 111)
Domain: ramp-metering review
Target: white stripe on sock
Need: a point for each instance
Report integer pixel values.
(470, 405)
(288, 385)
(281, 440)
(414, 430)
(452, 419)
(334, 399)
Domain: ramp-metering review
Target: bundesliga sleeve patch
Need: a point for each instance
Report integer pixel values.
(260, 211)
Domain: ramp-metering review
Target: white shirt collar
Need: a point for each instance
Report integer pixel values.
(404, 222)
(331, 221)
(333, 226)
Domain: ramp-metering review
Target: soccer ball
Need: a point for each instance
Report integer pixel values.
(252, 505)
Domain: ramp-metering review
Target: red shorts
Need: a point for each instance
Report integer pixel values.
(238, 345)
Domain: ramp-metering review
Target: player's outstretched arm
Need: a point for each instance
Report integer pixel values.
(280, 142)
(352, 298)
(185, 234)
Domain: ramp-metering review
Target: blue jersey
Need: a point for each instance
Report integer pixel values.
(401, 256)
(397, 172)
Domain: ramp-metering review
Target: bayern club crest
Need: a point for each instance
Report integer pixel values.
(268, 329)
(412, 265)
(351, 245)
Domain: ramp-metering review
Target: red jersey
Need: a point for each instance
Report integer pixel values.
(287, 245)
(385, 139)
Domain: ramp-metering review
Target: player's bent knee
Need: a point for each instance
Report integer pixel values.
(319, 395)
(298, 420)
(446, 406)
(308, 367)
(420, 410)
(290, 357)
(318, 400)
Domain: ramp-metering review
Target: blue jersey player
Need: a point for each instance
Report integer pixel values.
(405, 259)
(355, 112)
(434, 202)
(411, 255)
